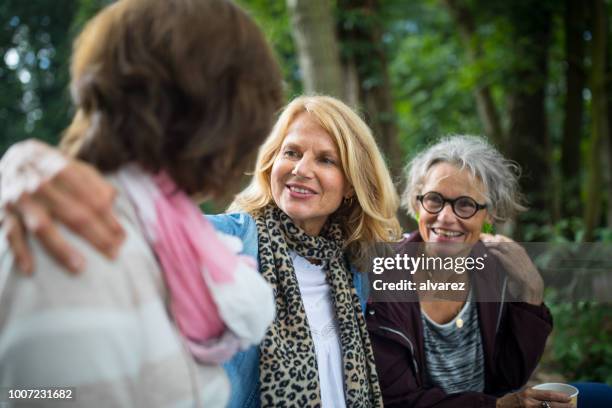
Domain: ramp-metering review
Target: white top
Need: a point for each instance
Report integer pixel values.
(316, 296)
(105, 332)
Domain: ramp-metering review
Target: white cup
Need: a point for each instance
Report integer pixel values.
(566, 389)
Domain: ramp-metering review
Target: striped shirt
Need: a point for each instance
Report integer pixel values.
(454, 356)
(105, 332)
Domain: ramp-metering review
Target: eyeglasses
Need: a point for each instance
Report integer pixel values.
(463, 207)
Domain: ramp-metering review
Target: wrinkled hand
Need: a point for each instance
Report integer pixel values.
(39, 186)
(525, 281)
(530, 398)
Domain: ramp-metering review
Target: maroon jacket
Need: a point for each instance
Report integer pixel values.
(513, 339)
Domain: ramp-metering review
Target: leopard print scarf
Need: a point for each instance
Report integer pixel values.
(287, 363)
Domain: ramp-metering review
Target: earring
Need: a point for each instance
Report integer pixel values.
(416, 217)
(348, 201)
(488, 228)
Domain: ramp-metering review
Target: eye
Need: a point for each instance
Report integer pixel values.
(291, 154)
(466, 203)
(328, 160)
(433, 200)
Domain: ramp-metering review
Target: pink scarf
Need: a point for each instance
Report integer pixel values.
(198, 265)
(189, 252)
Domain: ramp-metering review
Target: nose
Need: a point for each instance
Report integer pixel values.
(447, 213)
(303, 168)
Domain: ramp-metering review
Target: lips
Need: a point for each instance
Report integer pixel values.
(300, 191)
(443, 234)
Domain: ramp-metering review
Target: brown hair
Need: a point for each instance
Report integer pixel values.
(188, 86)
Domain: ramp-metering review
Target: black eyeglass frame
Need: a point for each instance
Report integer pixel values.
(452, 202)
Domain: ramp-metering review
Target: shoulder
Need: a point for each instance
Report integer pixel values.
(241, 225)
(94, 306)
(135, 260)
(361, 284)
(233, 223)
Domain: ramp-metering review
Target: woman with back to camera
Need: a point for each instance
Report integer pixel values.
(459, 351)
(164, 112)
(320, 195)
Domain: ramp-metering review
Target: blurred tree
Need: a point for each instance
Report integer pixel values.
(575, 81)
(528, 135)
(523, 28)
(361, 26)
(360, 58)
(431, 84)
(35, 43)
(315, 38)
(487, 111)
(599, 126)
(35, 46)
(273, 19)
(608, 141)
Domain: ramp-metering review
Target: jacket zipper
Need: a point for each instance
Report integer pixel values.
(403, 336)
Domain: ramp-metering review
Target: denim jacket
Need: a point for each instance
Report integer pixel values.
(243, 368)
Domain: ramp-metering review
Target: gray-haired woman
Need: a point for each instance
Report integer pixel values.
(459, 351)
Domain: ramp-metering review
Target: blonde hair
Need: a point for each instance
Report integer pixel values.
(368, 219)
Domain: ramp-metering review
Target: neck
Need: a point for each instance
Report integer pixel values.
(310, 228)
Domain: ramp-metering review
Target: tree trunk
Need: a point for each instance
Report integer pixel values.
(351, 83)
(313, 31)
(599, 120)
(609, 95)
(575, 80)
(487, 111)
(361, 39)
(528, 130)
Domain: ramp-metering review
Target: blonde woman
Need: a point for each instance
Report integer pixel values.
(319, 195)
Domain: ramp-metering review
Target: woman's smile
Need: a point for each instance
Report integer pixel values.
(445, 235)
(307, 179)
(300, 191)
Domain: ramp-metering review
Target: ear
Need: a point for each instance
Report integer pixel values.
(349, 192)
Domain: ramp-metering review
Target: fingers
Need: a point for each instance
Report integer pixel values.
(485, 237)
(554, 399)
(502, 257)
(490, 238)
(38, 221)
(502, 244)
(81, 219)
(79, 197)
(84, 184)
(17, 241)
(87, 185)
(532, 403)
(530, 398)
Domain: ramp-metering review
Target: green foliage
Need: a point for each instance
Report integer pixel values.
(582, 340)
(430, 80)
(582, 336)
(35, 43)
(35, 48)
(272, 17)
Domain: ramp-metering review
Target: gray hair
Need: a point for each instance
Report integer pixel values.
(498, 174)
